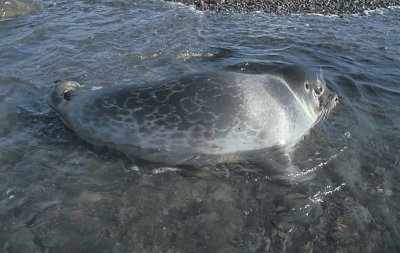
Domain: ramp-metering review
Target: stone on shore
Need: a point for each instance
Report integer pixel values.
(291, 6)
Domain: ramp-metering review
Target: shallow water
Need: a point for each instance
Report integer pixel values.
(59, 194)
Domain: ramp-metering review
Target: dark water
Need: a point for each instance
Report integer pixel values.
(59, 194)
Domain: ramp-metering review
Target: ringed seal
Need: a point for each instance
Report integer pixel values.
(15, 8)
(197, 118)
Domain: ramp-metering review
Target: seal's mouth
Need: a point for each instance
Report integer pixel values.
(326, 104)
(329, 101)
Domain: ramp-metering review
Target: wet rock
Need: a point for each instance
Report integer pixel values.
(290, 6)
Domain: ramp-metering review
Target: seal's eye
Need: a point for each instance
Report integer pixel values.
(307, 86)
(318, 91)
(67, 95)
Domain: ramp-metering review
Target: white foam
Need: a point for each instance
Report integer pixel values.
(395, 7)
(188, 55)
(163, 170)
(319, 196)
(179, 5)
(379, 11)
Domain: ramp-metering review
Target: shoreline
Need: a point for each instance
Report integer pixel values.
(336, 7)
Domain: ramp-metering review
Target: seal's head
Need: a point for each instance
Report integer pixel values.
(60, 98)
(310, 89)
(61, 94)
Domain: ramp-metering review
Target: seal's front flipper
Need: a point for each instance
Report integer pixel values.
(279, 165)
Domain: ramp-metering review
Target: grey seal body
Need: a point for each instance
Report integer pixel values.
(14, 8)
(197, 118)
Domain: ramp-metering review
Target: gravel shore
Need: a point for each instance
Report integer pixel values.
(291, 6)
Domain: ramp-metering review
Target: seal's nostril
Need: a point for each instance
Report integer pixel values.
(333, 97)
